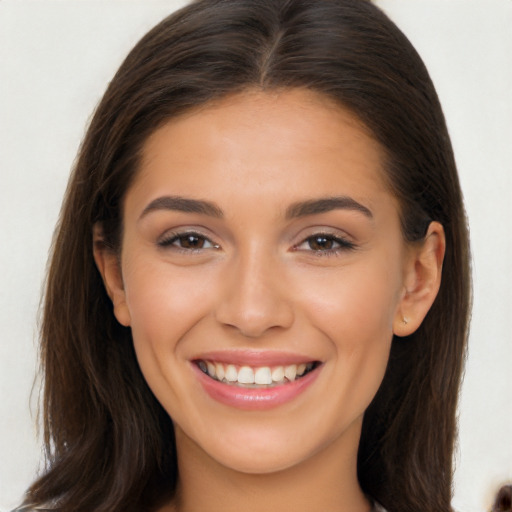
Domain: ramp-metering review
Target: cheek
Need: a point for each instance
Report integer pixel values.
(165, 304)
(356, 300)
(355, 312)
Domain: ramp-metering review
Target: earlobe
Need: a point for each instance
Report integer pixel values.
(421, 281)
(109, 267)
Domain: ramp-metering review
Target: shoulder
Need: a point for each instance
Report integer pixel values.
(378, 508)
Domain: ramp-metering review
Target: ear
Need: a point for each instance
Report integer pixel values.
(421, 281)
(109, 267)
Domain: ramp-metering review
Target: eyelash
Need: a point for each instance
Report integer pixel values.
(169, 241)
(342, 244)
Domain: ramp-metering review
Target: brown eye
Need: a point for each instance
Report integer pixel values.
(189, 241)
(325, 244)
(321, 243)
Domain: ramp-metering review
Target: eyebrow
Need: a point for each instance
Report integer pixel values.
(183, 204)
(323, 205)
(299, 209)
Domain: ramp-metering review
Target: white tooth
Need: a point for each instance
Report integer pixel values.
(219, 371)
(202, 365)
(301, 369)
(211, 369)
(290, 372)
(246, 375)
(278, 374)
(263, 376)
(231, 374)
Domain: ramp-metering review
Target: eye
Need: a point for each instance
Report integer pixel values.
(187, 241)
(325, 243)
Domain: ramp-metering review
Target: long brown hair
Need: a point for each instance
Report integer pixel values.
(110, 444)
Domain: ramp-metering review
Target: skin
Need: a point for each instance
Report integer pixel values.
(262, 281)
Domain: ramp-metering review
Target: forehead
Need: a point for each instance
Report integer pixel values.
(263, 144)
(288, 113)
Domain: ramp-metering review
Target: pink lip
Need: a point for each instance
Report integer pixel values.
(254, 358)
(255, 399)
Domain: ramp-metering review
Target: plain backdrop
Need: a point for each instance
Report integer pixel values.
(56, 58)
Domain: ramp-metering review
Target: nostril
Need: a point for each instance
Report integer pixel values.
(254, 297)
(253, 319)
(253, 328)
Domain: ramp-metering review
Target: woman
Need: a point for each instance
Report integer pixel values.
(267, 197)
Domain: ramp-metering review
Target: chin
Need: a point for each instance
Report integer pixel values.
(259, 451)
(257, 463)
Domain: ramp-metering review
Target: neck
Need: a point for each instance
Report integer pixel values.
(325, 481)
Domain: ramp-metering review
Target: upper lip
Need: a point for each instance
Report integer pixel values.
(254, 357)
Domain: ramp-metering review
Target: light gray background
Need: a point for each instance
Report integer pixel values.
(56, 58)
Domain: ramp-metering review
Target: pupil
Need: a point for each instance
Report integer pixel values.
(192, 242)
(321, 243)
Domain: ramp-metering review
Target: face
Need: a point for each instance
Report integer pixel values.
(263, 272)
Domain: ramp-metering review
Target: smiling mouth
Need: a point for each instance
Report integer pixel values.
(255, 377)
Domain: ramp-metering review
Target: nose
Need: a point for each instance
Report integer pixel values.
(255, 298)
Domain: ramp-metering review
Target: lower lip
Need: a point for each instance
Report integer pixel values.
(254, 399)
